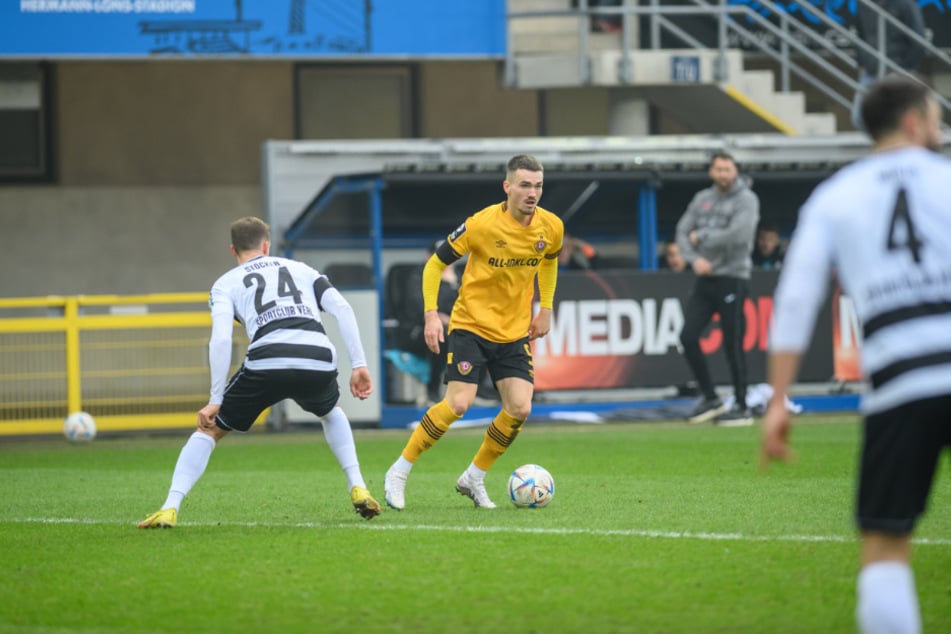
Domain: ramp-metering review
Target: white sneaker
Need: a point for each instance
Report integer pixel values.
(475, 490)
(394, 484)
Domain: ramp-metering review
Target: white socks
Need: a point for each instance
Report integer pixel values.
(475, 474)
(191, 464)
(340, 439)
(402, 465)
(887, 600)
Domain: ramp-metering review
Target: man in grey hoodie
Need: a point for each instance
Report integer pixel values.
(715, 236)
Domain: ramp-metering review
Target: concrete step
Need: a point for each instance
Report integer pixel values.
(755, 84)
(818, 124)
(566, 41)
(751, 91)
(648, 67)
(785, 110)
(542, 26)
(789, 107)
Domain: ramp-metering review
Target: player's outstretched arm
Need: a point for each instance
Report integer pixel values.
(333, 302)
(777, 423)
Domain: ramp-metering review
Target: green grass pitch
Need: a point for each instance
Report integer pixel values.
(655, 528)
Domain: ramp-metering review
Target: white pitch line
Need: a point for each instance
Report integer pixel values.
(597, 532)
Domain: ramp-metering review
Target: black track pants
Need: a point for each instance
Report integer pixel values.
(724, 295)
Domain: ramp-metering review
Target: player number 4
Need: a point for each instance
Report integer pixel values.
(901, 231)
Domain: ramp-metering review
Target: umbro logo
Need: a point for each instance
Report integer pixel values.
(501, 244)
(729, 298)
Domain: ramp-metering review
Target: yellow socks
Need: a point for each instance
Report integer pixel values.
(436, 421)
(440, 416)
(498, 437)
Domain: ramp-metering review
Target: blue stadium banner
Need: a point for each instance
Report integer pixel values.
(266, 28)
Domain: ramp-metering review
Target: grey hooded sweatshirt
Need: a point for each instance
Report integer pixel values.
(725, 223)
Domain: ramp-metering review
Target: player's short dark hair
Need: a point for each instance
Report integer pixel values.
(523, 162)
(888, 99)
(249, 233)
(722, 155)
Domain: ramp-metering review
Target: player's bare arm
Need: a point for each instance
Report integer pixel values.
(433, 331)
(541, 324)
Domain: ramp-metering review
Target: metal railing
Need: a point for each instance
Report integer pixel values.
(133, 362)
(789, 33)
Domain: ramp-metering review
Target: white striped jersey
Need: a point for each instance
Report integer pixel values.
(279, 302)
(883, 225)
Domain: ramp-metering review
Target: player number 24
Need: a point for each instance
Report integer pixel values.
(285, 288)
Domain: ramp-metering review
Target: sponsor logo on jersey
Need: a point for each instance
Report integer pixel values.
(464, 368)
(461, 229)
(280, 312)
(504, 263)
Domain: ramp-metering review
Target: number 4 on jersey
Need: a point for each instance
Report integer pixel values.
(902, 228)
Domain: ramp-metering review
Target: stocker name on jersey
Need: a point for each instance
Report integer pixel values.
(281, 312)
(502, 263)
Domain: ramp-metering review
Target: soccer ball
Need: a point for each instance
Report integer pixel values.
(531, 486)
(79, 427)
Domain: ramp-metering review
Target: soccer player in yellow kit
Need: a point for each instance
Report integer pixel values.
(509, 244)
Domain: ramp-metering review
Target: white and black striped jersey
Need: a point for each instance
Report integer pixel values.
(883, 225)
(279, 302)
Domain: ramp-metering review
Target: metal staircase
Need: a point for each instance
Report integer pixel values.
(700, 82)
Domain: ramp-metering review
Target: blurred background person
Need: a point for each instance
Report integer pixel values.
(672, 260)
(603, 23)
(577, 254)
(769, 249)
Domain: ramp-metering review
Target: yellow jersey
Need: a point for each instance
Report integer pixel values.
(498, 285)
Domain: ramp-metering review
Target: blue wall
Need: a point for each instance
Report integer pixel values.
(315, 28)
(284, 28)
